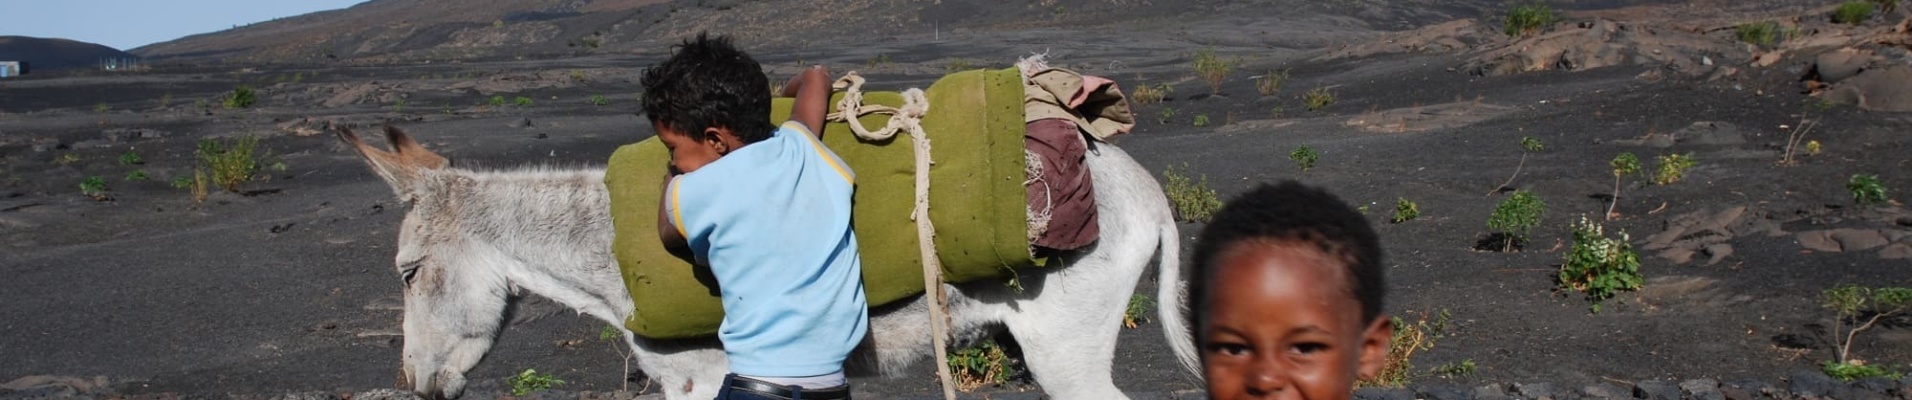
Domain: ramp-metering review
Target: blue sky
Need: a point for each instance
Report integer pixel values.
(126, 24)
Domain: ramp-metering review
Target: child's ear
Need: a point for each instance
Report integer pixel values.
(714, 138)
(1375, 342)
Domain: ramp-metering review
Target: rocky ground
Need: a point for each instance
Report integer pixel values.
(285, 289)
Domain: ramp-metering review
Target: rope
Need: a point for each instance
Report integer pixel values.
(908, 117)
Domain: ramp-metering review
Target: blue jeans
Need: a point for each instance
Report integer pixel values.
(729, 391)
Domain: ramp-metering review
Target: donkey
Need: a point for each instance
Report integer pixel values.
(472, 239)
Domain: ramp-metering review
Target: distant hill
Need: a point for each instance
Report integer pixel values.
(412, 30)
(43, 54)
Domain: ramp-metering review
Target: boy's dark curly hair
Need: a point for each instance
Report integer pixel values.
(1290, 211)
(706, 83)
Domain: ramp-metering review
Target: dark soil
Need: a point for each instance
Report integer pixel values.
(290, 287)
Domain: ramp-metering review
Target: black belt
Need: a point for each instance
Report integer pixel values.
(788, 392)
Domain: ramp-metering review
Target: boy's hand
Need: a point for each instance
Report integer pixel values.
(812, 92)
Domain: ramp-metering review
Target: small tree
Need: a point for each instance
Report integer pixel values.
(1515, 217)
(1623, 165)
(1528, 145)
(1851, 302)
(1212, 68)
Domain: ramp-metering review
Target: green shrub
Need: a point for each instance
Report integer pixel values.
(137, 175)
(1855, 371)
(1213, 69)
(232, 162)
(95, 187)
(599, 100)
(1318, 98)
(1866, 189)
(1152, 94)
(1405, 211)
(1408, 339)
(130, 158)
(1852, 12)
(241, 97)
(531, 381)
(1524, 19)
(182, 182)
(1460, 369)
(498, 101)
(1304, 157)
(399, 106)
(1201, 120)
(521, 101)
(1270, 83)
(1599, 265)
(1167, 114)
(100, 108)
(1138, 310)
(1672, 168)
(1762, 33)
(983, 364)
(1516, 215)
(1193, 200)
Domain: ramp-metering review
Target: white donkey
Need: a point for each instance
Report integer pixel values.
(473, 238)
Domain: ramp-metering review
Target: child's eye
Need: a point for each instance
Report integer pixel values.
(1229, 349)
(1310, 348)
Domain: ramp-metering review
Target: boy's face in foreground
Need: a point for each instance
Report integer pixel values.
(1282, 324)
(687, 153)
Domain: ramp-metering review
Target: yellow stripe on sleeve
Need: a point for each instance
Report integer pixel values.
(827, 157)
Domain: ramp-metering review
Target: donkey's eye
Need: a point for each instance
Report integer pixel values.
(409, 272)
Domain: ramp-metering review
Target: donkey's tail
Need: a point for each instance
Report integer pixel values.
(1172, 299)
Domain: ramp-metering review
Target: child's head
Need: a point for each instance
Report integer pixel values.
(1288, 294)
(707, 100)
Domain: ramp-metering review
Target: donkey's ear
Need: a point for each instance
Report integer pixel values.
(399, 170)
(412, 152)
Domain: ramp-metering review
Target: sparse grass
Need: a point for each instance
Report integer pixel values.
(165, 100)
(1148, 94)
(399, 106)
(1167, 114)
(531, 380)
(1304, 157)
(1270, 84)
(130, 158)
(598, 100)
(1866, 189)
(1853, 12)
(137, 175)
(100, 108)
(984, 364)
(1318, 98)
(1201, 120)
(1405, 210)
(66, 159)
(182, 182)
(1851, 303)
(1622, 165)
(1599, 265)
(232, 162)
(1213, 68)
(1529, 18)
(1398, 368)
(1138, 311)
(1672, 168)
(521, 101)
(1193, 200)
(1461, 369)
(1762, 33)
(94, 187)
(1516, 216)
(240, 97)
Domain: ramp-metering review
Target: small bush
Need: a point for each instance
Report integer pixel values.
(531, 381)
(1193, 200)
(1672, 168)
(100, 108)
(1460, 369)
(1853, 371)
(521, 101)
(1318, 98)
(399, 106)
(1213, 69)
(1167, 114)
(1405, 211)
(1599, 265)
(1529, 18)
(599, 100)
(241, 97)
(137, 175)
(1516, 215)
(1851, 303)
(131, 158)
(182, 182)
(232, 162)
(1138, 311)
(67, 159)
(1270, 83)
(1201, 120)
(1813, 148)
(498, 101)
(1152, 94)
(1762, 33)
(94, 187)
(984, 364)
(1304, 157)
(1866, 189)
(1408, 339)
(1852, 12)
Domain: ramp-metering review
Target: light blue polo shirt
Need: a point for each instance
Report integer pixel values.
(772, 220)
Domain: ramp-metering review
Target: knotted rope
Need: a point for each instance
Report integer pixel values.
(908, 117)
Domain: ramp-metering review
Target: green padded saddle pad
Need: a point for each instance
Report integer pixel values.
(977, 202)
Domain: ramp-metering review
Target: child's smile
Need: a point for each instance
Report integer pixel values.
(1283, 325)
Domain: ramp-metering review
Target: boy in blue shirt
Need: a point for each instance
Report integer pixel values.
(767, 208)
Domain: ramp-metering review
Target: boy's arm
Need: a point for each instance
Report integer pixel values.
(674, 241)
(812, 92)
